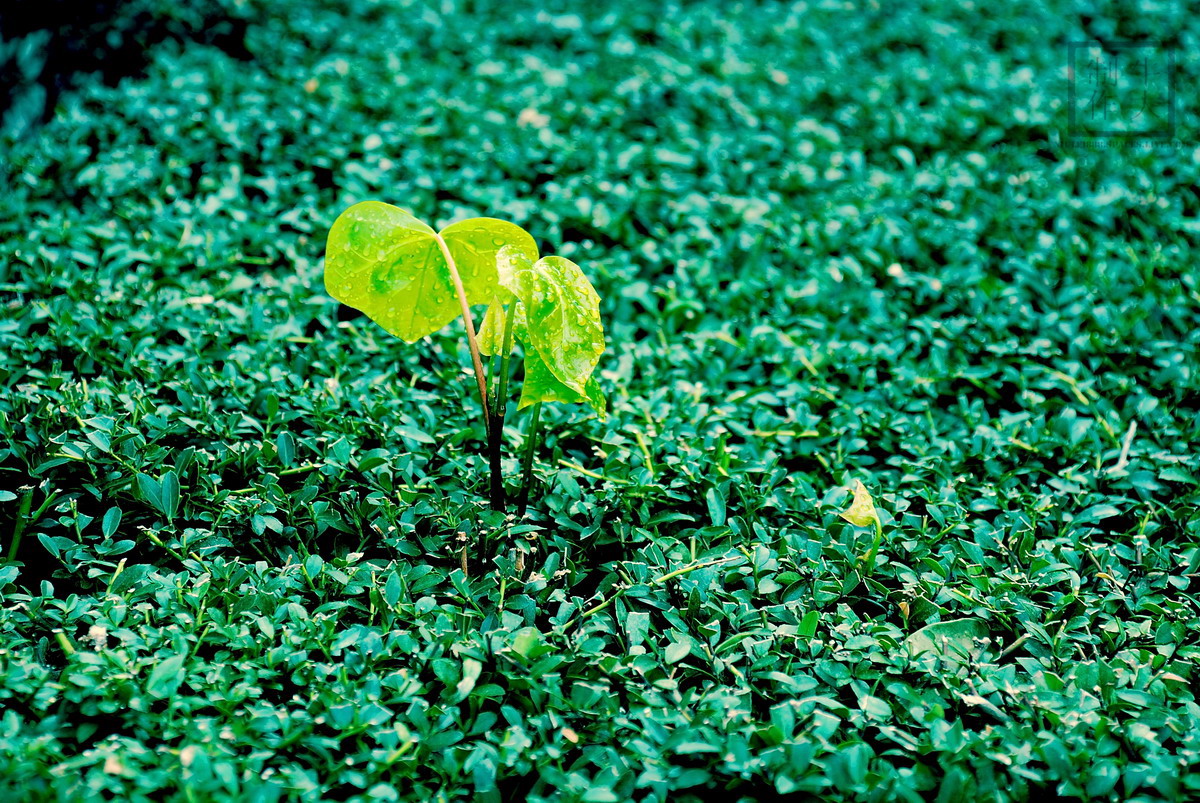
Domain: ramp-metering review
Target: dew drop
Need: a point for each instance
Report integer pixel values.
(382, 280)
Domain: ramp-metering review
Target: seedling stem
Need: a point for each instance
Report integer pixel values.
(530, 447)
(493, 429)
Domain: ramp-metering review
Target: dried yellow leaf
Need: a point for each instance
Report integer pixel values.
(861, 512)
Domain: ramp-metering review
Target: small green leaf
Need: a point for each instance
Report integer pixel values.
(169, 483)
(285, 445)
(166, 676)
(952, 640)
(130, 577)
(151, 490)
(875, 707)
(1103, 778)
(491, 331)
(415, 434)
(340, 451)
(861, 512)
(637, 626)
(392, 589)
(677, 650)
(716, 506)
(162, 493)
(526, 641)
(100, 440)
(471, 670)
(808, 625)
(110, 522)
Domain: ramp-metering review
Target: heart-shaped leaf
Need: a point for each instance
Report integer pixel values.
(558, 314)
(387, 263)
(475, 244)
(562, 315)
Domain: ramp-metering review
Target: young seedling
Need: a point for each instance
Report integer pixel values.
(412, 281)
(550, 307)
(862, 513)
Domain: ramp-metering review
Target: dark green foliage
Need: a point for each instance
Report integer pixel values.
(46, 46)
(831, 246)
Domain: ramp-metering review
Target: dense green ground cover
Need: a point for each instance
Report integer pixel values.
(832, 244)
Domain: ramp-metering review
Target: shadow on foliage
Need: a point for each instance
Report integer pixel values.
(47, 45)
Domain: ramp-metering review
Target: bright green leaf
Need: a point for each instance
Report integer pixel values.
(151, 490)
(475, 244)
(285, 445)
(169, 483)
(491, 331)
(392, 589)
(562, 314)
(677, 650)
(637, 627)
(526, 641)
(716, 506)
(387, 263)
(541, 385)
(875, 707)
(808, 625)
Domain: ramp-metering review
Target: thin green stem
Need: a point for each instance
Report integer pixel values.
(24, 519)
(480, 378)
(531, 440)
(64, 642)
(620, 592)
(868, 560)
(505, 354)
(500, 407)
(469, 323)
(593, 474)
(494, 382)
(19, 527)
